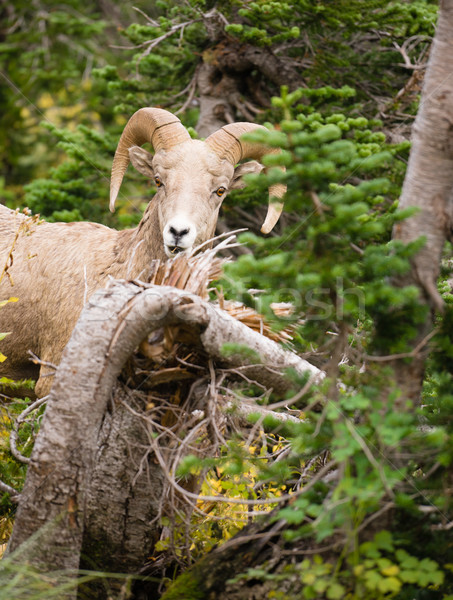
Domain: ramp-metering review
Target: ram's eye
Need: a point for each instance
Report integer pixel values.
(220, 191)
(158, 181)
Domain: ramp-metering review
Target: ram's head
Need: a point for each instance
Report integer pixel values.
(193, 177)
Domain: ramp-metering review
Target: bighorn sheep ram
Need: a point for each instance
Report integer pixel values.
(57, 266)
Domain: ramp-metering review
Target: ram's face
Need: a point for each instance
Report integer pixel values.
(193, 177)
(192, 183)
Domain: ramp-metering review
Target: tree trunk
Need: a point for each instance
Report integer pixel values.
(235, 81)
(428, 186)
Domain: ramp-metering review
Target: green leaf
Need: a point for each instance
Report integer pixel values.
(428, 565)
(372, 580)
(370, 549)
(408, 576)
(292, 516)
(384, 540)
(320, 586)
(437, 577)
(336, 591)
(406, 560)
(389, 584)
(327, 133)
(189, 464)
(241, 350)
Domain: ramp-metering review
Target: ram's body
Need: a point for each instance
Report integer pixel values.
(53, 268)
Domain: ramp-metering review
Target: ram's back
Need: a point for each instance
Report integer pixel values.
(52, 269)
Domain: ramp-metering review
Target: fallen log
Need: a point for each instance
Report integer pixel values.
(79, 445)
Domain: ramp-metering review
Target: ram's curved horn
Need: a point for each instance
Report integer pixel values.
(227, 144)
(155, 125)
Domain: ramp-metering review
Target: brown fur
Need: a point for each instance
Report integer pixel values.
(56, 267)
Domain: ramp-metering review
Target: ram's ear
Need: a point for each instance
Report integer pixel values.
(142, 160)
(248, 167)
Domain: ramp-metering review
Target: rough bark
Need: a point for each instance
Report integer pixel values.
(235, 81)
(58, 481)
(428, 186)
(221, 328)
(122, 505)
(87, 491)
(216, 106)
(429, 178)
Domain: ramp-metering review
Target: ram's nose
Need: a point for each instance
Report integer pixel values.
(179, 235)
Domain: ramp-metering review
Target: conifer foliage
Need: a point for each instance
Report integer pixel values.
(321, 488)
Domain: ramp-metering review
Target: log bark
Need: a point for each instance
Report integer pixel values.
(122, 506)
(86, 492)
(221, 329)
(54, 509)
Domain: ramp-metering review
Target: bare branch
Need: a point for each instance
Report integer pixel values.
(14, 494)
(410, 354)
(408, 46)
(379, 467)
(148, 18)
(192, 87)
(245, 409)
(37, 361)
(14, 433)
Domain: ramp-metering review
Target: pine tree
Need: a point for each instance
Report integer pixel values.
(368, 511)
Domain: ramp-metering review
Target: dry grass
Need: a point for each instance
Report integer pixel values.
(195, 273)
